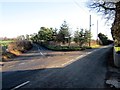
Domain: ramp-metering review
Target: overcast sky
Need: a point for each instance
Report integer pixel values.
(20, 17)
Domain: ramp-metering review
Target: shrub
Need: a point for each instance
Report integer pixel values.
(87, 47)
(22, 46)
(104, 39)
(64, 48)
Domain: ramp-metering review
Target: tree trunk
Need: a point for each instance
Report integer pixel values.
(115, 30)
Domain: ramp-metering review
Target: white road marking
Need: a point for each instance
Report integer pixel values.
(20, 85)
(40, 51)
(88, 52)
(81, 56)
(72, 60)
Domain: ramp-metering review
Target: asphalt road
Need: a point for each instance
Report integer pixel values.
(86, 72)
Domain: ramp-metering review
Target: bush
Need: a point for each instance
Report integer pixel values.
(104, 39)
(87, 47)
(22, 46)
(64, 48)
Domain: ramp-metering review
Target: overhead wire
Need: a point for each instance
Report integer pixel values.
(76, 3)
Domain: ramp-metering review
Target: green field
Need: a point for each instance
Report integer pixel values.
(5, 42)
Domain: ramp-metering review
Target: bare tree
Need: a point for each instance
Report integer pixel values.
(111, 10)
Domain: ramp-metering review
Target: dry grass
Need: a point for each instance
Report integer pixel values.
(16, 52)
(7, 55)
(95, 46)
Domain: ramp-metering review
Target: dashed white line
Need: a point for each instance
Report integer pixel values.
(69, 62)
(20, 85)
(41, 53)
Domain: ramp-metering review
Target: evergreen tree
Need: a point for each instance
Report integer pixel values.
(64, 34)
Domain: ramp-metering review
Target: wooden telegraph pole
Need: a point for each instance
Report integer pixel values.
(97, 32)
(90, 32)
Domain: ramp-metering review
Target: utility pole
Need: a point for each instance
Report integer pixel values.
(97, 32)
(90, 31)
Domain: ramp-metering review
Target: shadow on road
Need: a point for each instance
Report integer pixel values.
(38, 55)
(87, 72)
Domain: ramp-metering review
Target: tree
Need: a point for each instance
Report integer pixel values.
(34, 37)
(87, 36)
(111, 10)
(104, 39)
(21, 37)
(81, 37)
(76, 36)
(27, 37)
(45, 34)
(54, 34)
(64, 34)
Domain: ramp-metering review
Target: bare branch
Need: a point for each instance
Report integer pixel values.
(105, 5)
(105, 8)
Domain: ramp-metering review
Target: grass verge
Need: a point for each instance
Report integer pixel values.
(66, 48)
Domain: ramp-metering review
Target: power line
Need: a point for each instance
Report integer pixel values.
(89, 19)
(76, 3)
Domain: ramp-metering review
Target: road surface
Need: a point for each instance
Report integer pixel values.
(87, 71)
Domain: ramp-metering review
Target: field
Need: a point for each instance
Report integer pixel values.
(5, 42)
